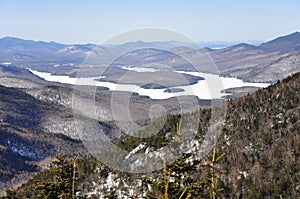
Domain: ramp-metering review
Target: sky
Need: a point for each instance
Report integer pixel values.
(95, 21)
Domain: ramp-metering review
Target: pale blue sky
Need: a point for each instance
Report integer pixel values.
(94, 21)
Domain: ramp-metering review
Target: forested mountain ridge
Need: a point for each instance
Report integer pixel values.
(261, 137)
(261, 140)
(24, 141)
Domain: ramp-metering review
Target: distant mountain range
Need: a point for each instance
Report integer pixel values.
(267, 62)
(224, 44)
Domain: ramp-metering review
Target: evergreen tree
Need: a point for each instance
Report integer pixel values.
(61, 186)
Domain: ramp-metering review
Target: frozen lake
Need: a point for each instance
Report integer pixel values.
(209, 88)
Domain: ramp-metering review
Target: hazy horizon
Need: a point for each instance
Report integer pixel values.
(71, 22)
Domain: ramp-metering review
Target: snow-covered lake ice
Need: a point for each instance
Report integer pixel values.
(209, 88)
